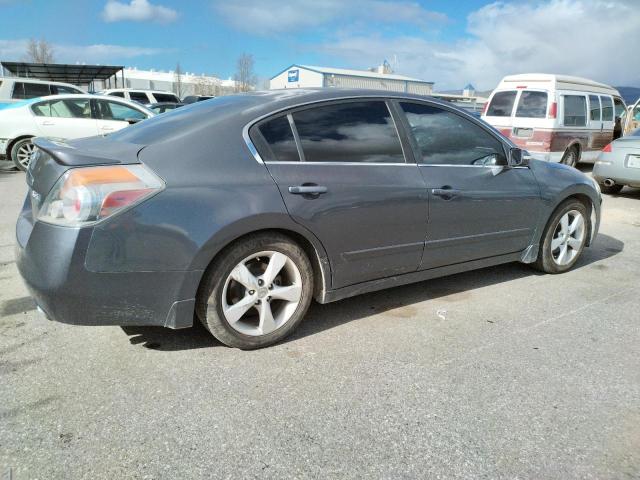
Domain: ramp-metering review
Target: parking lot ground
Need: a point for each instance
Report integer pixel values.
(498, 373)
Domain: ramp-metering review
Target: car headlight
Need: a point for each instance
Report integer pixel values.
(83, 196)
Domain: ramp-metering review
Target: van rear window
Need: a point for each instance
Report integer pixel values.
(532, 105)
(501, 104)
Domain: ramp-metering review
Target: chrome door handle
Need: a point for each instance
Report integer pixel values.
(48, 123)
(107, 129)
(447, 193)
(308, 190)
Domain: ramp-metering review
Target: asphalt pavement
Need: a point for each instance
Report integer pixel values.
(497, 373)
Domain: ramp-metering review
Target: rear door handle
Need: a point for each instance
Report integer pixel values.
(308, 190)
(48, 123)
(447, 193)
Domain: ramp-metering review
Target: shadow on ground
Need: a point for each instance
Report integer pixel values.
(324, 317)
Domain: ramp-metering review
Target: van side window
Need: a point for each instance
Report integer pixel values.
(26, 90)
(139, 97)
(594, 108)
(532, 105)
(575, 110)
(619, 107)
(501, 104)
(607, 109)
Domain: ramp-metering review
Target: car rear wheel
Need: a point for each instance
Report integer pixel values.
(612, 190)
(22, 152)
(564, 238)
(256, 292)
(571, 157)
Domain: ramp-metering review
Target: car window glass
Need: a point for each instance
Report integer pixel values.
(165, 97)
(25, 90)
(575, 110)
(349, 132)
(277, 133)
(62, 90)
(619, 107)
(117, 111)
(607, 109)
(532, 105)
(139, 97)
(116, 94)
(446, 138)
(501, 104)
(69, 108)
(594, 108)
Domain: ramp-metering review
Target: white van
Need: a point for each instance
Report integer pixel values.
(556, 117)
(145, 97)
(15, 89)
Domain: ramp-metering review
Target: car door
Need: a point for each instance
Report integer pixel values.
(65, 118)
(342, 174)
(479, 207)
(114, 115)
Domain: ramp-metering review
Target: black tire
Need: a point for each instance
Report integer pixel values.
(612, 190)
(15, 153)
(211, 313)
(571, 157)
(545, 261)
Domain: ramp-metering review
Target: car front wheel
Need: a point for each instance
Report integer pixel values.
(564, 238)
(22, 152)
(256, 292)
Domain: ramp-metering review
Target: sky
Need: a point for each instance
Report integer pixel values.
(451, 43)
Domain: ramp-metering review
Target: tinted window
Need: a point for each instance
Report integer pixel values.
(70, 108)
(501, 104)
(532, 105)
(26, 90)
(575, 110)
(277, 133)
(445, 138)
(117, 111)
(165, 97)
(607, 109)
(594, 108)
(619, 107)
(349, 132)
(117, 94)
(139, 97)
(61, 90)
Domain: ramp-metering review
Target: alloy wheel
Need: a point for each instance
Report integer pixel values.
(25, 153)
(568, 238)
(261, 293)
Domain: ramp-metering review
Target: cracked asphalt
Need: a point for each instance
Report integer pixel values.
(497, 373)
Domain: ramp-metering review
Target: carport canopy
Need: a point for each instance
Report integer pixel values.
(61, 72)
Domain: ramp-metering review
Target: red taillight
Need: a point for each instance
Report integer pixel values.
(607, 149)
(553, 110)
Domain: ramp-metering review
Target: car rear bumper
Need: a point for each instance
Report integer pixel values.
(609, 167)
(51, 260)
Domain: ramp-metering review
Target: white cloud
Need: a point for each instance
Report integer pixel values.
(64, 53)
(592, 38)
(137, 11)
(267, 17)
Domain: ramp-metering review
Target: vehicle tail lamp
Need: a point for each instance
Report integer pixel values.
(608, 148)
(83, 196)
(553, 110)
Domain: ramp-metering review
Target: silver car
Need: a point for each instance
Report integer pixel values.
(619, 164)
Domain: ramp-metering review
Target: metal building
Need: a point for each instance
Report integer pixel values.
(304, 76)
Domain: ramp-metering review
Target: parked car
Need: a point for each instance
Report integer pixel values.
(555, 117)
(164, 107)
(16, 89)
(243, 208)
(631, 118)
(62, 117)
(196, 98)
(144, 97)
(619, 164)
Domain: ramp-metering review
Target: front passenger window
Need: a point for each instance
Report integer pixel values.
(445, 138)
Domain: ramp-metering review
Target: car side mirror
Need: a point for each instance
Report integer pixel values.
(131, 121)
(518, 158)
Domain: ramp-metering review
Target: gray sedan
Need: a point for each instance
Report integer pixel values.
(240, 210)
(619, 164)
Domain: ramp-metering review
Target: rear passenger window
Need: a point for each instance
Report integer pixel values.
(139, 97)
(67, 108)
(116, 94)
(445, 138)
(358, 132)
(501, 104)
(166, 97)
(277, 133)
(594, 108)
(25, 90)
(532, 105)
(575, 110)
(607, 109)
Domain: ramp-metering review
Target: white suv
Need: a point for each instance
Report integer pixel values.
(15, 89)
(145, 97)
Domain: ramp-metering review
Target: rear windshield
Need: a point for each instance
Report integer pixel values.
(532, 105)
(501, 104)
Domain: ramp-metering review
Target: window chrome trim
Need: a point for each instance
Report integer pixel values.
(252, 148)
(352, 164)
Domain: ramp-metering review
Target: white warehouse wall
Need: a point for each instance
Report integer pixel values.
(306, 79)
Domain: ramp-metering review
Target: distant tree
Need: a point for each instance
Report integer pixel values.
(245, 77)
(177, 81)
(39, 51)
